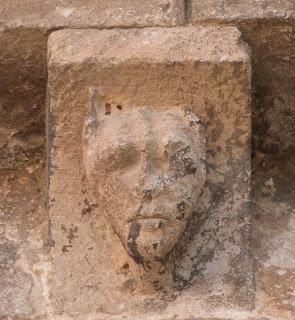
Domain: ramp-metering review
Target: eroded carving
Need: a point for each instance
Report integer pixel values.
(146, 169)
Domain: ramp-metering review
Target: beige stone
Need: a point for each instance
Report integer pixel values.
(158, 71)
(50, 14)
(23, 218)
(146, 170)
(228, 10)
(268, 27)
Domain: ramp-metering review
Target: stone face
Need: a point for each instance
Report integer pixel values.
(146, 171)
(206, 69)
(88, 13)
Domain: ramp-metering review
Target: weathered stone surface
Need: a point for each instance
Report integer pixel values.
(23, 219)
(274, 235)
(23, 228)
(22, 97)
(146, 171)
(228, 10)
(273, 63)
(207, 69)
(50, 14)
(268, 27)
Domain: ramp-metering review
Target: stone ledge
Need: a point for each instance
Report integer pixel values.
(227, 10)
(204, 44)
(88, 13)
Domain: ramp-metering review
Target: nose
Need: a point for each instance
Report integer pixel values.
(151, 185)
(151, 180)
(147, 193)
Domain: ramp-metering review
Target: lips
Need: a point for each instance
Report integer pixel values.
(150, 222)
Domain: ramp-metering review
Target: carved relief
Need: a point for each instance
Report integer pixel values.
(146, 170)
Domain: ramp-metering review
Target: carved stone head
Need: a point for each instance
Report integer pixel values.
(146, 169)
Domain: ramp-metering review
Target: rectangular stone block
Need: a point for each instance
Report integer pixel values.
(88, 13)
(227, 10)
(205, 69)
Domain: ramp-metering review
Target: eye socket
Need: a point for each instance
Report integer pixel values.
(121, 157)
(184, 161)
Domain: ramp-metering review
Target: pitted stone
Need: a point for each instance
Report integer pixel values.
(51, 14)
(228, 10)
(205, 69)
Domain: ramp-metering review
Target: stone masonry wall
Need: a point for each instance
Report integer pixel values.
(25, 25)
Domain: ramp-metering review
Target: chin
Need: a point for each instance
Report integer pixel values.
(149, 243)
(156, 251)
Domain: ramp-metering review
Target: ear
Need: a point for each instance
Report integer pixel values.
(92, 112)
(91, 125)
(95, 111)
(198, 128)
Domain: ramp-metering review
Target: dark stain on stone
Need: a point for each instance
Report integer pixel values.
(183, 162)
(50, 137)
(162, 260)
(157, 285)
(72, 234)
(51, 202)
(8, 254)
(132, 245)
(65, 248)
(128, 286)
(161, 272)
(108, 109)
(63, 228)
(166, 7)
(147, 194)
(180, 210)
(51, 243)
(89, 208)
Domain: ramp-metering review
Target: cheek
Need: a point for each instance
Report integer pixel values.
(185, 196)
(183, 188)
(116, 200)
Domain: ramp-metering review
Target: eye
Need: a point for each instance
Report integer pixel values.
(184, 161)
(119, 157)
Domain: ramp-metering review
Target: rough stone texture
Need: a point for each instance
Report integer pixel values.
(146, 171)
(205, 68)
(23, 228)
(229, 10)
(268, 27)
(23, 219)
(273, 61)
(24, 29)
(90, 13)
(271, 39)
(22, 96)
(273, 157)
(274, 235)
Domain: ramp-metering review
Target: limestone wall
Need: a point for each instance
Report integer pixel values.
(267, 26)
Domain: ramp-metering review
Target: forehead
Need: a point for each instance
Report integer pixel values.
(141, 126)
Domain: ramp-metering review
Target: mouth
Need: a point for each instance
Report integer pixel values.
(155, 222)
